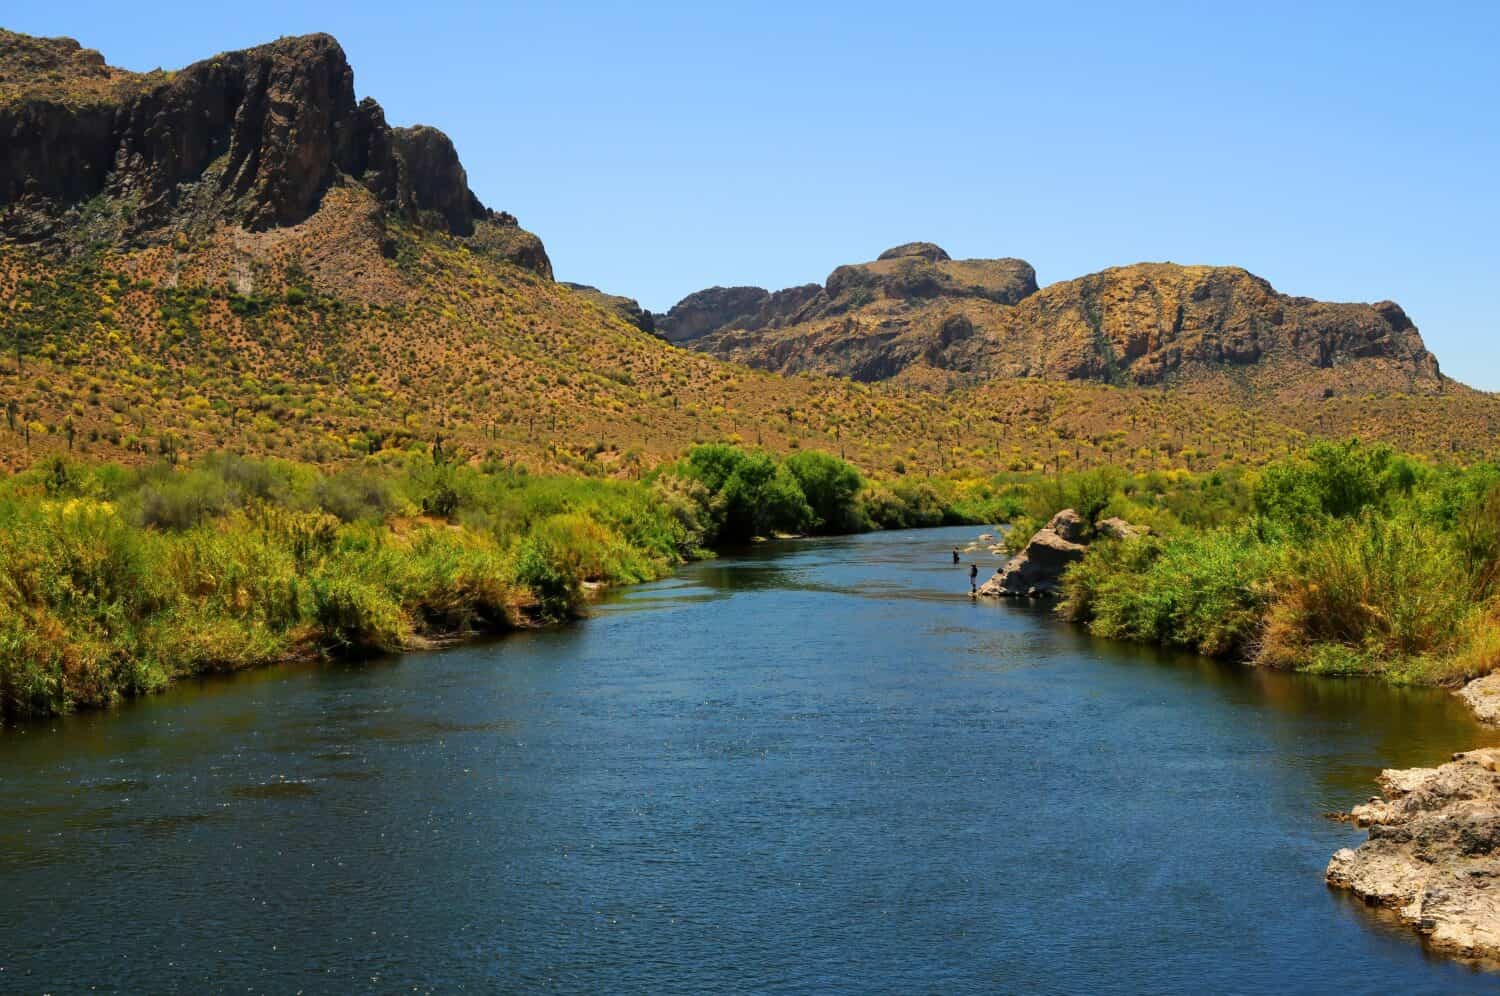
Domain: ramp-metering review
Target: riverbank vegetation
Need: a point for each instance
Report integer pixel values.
(114, 581)
(1347, 559)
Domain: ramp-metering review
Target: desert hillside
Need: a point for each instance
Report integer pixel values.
(240, 255)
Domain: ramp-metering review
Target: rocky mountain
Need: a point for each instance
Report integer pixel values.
(91, 154)
(918, 271)
(917, 315)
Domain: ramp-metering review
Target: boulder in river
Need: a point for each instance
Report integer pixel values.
(1433, 854)
(1037, 570)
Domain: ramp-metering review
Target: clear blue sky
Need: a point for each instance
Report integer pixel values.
(1348, 151)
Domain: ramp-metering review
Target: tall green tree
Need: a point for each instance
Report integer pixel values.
(831, 487)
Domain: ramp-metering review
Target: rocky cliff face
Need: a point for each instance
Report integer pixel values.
(1145, 323)
(710, 310)
(252, 138)
(911, 273)
(918, 314)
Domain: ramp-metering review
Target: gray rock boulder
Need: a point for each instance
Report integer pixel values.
(1036, 572)
(1483, 696)
(1068, 524)
(1118, 529)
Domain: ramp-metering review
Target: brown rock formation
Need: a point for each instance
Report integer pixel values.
(254, 138)
(707, 310)
(916, 314)
(917, 271)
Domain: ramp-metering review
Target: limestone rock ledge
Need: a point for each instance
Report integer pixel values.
(1482, 695)
(1433, 853)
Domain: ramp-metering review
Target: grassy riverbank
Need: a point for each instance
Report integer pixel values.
(115, 581)
(1347, 559)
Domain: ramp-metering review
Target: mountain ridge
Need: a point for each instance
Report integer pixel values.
(916, 313)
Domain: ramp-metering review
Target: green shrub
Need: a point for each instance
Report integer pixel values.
(542, 569)
(907, 504)
(1087, 493)
(1370, 594)
(182, 500)
(831, 488)
(1338, 480)
(355, 495)
(1202, 590)
(356, 616)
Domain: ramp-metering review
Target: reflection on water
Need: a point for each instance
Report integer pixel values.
(809, 766)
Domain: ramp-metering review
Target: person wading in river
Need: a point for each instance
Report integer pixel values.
(973, 579)
(955, 554)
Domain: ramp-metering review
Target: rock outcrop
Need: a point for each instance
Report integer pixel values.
(1433, 853)
(1118, 529)
(929, 251)
(1036, 572)
(255, 138)
(917, 271)
(707, 310)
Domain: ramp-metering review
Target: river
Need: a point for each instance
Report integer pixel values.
(815, 767)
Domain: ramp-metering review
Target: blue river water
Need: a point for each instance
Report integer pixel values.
(815, 767)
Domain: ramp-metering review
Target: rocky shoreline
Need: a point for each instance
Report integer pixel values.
(1433, 851)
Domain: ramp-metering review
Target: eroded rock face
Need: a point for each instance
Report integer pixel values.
(917, 277)
(433, 180)
(707, 310)
(1145, 323)
(253, 138)
(913, 274)
(1069, 525)
(1036, 572)
(1433, 853)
